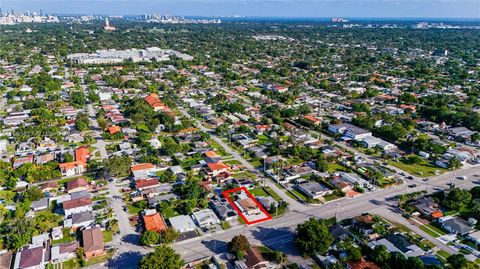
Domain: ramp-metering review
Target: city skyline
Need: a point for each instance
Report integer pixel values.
(256, 8)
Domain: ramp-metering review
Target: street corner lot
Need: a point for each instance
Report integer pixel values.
(247, 207)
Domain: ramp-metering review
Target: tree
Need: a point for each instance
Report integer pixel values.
(118, 166)
(458, 198)
(454, 163)
(381, 255)
(163, 257)
(313, 237)
(239, 243)
(169, 236)
(149, 238)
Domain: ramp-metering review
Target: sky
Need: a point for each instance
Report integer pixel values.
(259, 8)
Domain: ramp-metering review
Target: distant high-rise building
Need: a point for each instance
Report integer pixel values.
(107, 26)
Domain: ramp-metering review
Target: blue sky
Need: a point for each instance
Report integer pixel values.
(260, 8)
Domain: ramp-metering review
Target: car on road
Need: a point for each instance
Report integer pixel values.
(410, 177)
(412, 185)
(462, 177)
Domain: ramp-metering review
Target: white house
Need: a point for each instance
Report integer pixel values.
(182, 223)
(205, 218)
(349, 130)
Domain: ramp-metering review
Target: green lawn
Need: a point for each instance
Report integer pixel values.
(258, 192)
(245, 174)
(433, 230)
(133, 210)
(262, 139)
(442, 255)
(299, 194)
(334, 167)
(107, 236)
(272, 193)
(225, 225)
(423, 169)
(67, 238)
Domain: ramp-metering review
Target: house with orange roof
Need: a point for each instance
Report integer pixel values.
(143, 170)
(71, 169)
(312, 119)
(154, 222)
(142, 184)
(211, 154)
(154, 101)
(78, 205)
(214, 169)
(82, 154)
(114, 129)
(362, 264)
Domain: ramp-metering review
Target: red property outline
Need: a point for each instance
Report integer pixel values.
(225, 194)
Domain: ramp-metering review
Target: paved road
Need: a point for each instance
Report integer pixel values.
(293, 204)
(278, 233)
(100, 144)
(275, 233)
(129, 251)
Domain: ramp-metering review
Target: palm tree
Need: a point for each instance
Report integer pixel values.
(454, 163)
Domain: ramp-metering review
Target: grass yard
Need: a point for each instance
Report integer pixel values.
(334, 167)
(262, 139)
(442, 255)
(272, 193)
(225, 225)
(133, 210)
(299, 194)
(67, 238)
(258, 192)
(423, 169)
(433, 230)
(245, 174)
(107, 236)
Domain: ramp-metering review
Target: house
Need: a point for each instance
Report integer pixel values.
(82, 154)
(214, 169)
(475, 237)
(6, 259)
(21, 161)
(154, 101)
(338, 232)
(255, 260)
(375, 142)
(398, 243)
(428, 207)
(71, 169)
(44, 158)
(114, 129)
(312, 120)
(205, 218)
(456, 225)
(78, 184)
(349, 131)
(154, 222)
(182, 223)
(223, 208)
(39, 205)
(77, 205)
(142, 184)
(143, 170)
(64, 252)
(247, 206)
(314, 190)
(56, 233)
(92, 241)
(267, 202)
(363, 223)
(81, 219)
(30, 258)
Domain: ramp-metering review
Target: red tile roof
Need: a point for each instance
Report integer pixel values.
(81, 154)
(92, 240)
(74, 203)
(114, 129)
(143, 183)
(142, 166)
(218, 166)
(154, 222)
